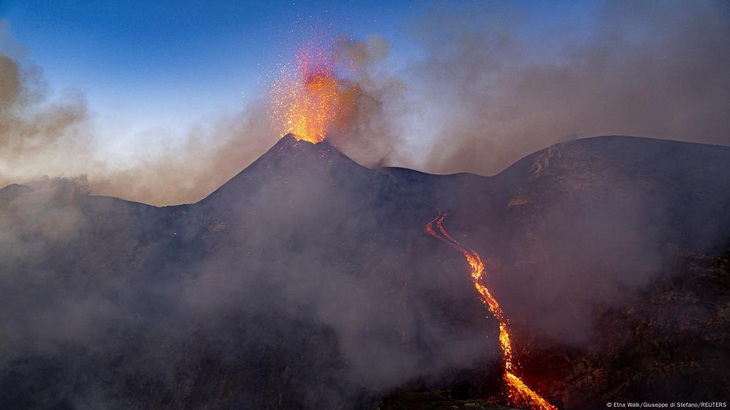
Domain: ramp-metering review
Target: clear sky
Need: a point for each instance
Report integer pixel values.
(468, 86)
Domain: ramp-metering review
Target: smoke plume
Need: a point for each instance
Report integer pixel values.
(36, 132)
(490, 90)
(370, 135)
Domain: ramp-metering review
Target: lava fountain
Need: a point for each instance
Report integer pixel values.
(519, 393)
(309, 98)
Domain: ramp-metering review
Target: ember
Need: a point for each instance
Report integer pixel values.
(309, 98)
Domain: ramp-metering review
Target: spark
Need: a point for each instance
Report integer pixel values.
(309, 98)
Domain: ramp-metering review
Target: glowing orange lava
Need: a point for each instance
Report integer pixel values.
(519, 393)
(308, 99)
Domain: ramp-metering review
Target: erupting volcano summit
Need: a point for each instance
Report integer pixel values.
(310, 99)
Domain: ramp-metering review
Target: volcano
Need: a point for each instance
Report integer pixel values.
(307, 281)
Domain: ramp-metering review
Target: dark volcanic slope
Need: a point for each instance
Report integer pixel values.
(307, 280)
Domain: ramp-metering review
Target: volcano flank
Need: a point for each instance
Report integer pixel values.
(307, 281)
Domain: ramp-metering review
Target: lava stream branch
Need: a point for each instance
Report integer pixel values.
(518, 392)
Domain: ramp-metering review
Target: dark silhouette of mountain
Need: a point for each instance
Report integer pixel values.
(307, 281)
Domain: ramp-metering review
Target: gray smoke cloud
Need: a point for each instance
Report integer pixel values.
(487, 88)
(33, 129)
(371, 134)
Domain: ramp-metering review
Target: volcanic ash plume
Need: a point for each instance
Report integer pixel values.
(496, 84)
(37, 136)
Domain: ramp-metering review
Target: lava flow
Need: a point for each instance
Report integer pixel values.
(308, 99)
(518, 392)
